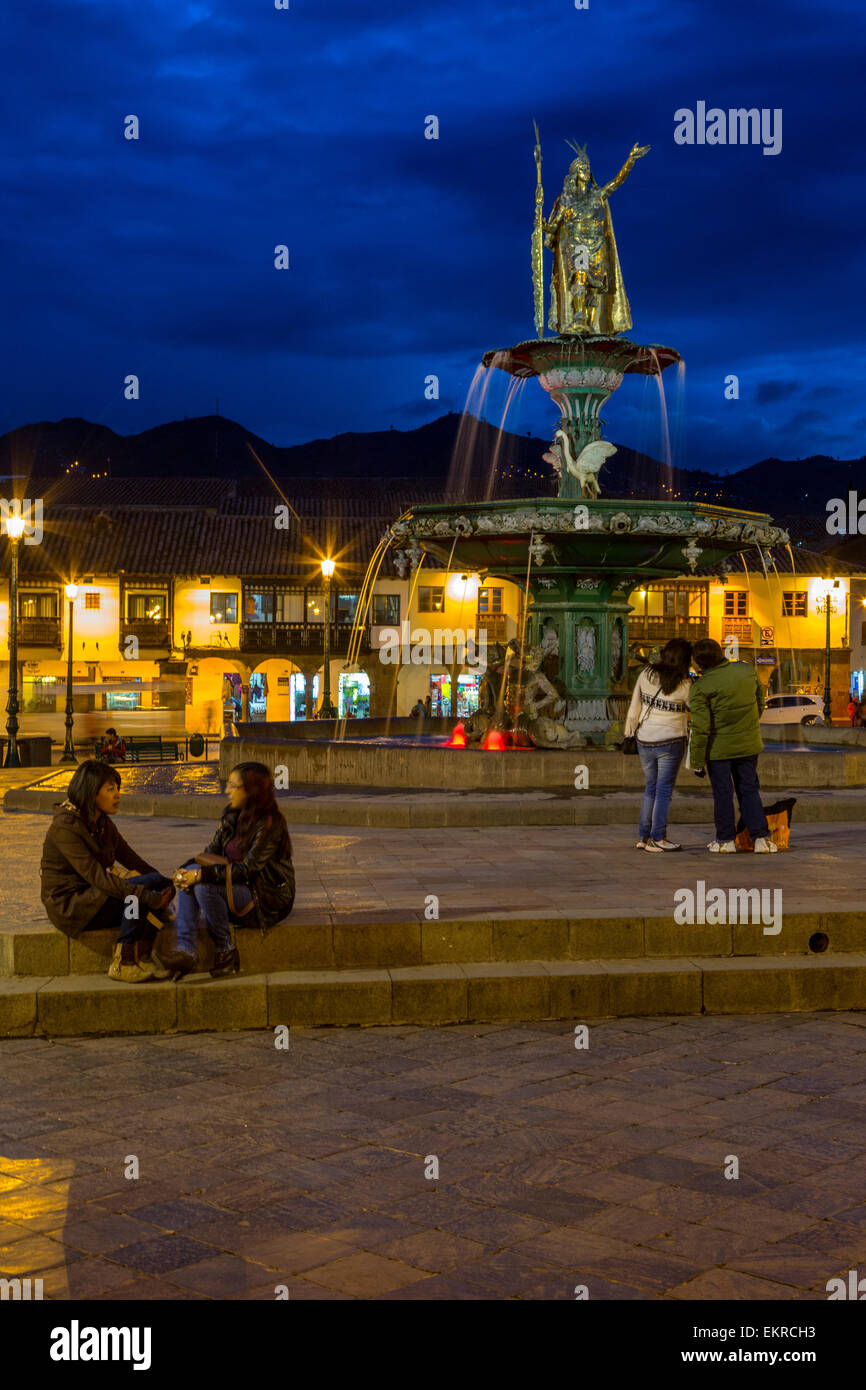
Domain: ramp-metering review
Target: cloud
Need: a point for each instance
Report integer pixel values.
(767, 392)
(410, 256)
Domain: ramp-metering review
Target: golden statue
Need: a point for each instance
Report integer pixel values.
(587, 295)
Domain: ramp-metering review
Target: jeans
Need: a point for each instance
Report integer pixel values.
(728, 775)
(113, 912)
(211, 899)
(660, 763)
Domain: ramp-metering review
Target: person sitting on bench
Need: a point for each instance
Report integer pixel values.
(112, 748)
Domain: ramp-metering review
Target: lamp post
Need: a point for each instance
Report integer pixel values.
(14, 530)
(829, 607)
(68, 755)
(326, 709)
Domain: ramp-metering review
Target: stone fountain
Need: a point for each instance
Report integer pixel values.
(578, 555)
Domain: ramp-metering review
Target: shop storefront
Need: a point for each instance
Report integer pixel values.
(258, 696)
(353, 701)
(298, 697)
(467, 695)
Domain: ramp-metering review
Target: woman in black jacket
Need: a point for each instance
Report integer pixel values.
(245, 875)
(91, 878)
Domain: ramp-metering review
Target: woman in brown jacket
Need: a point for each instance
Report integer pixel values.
(82, 889)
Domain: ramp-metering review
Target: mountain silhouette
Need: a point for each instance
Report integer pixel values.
(63, 451)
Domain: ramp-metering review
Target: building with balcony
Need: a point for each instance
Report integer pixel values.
(193, 603)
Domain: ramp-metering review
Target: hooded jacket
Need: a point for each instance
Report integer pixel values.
(75, 871)
(265, 869)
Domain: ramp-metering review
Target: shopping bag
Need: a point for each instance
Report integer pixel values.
(778, 819)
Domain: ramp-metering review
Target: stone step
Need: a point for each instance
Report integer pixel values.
(316, 941)
(474, 991)
(435, 810)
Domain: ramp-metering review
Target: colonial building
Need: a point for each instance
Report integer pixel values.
(194, 596)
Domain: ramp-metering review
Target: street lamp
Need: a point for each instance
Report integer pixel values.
(829, 607)
(68, 755)
(326, 709)
(14, 530)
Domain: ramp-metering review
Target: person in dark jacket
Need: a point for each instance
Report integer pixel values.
(90, 876)
(245, 875)
(726, 704)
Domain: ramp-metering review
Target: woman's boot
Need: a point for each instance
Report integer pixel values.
(165, 964)
(146, 958)
(226, 963)
(125, 967)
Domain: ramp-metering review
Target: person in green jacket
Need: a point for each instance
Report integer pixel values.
(725, 705)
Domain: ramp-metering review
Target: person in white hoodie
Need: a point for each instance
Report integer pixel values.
(658, 717)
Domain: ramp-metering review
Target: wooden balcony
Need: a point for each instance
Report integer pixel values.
(298, 638)
(149, 633)
(39, 632)
(494, 624)
(743, 629)
(641, 629)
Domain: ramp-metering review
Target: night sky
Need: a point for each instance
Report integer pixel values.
(410, 256)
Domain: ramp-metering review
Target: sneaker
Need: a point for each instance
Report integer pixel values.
(641, 844)
(125, 967)
(765, 846)
(661, 846)
(722, 847)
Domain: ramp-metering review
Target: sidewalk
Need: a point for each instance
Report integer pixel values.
(548, 871)
(310, 1168)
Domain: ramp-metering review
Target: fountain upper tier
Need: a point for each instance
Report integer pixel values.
(538, 356)
(625, 541)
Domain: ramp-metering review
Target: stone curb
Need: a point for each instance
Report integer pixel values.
(463, 811)
(384, 941)
(42, 1006)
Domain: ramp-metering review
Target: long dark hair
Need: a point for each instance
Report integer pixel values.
(87, 781)
(261, 804)
(672, 667)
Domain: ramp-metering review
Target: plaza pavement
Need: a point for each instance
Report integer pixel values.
(550, 871)
(305, 1167)
(308, 1167)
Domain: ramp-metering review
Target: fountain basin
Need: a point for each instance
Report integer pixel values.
(577, 562)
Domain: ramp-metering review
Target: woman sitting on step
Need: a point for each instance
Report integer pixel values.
(245, 875)
(91, 879)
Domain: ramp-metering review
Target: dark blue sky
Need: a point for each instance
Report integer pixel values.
(410, 256)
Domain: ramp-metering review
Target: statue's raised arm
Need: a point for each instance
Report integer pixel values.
(637, 152)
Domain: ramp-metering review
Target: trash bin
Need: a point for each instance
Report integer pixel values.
(34, 750)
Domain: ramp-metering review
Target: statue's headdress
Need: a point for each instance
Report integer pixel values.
(582, 155)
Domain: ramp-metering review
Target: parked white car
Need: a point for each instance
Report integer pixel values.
(793, 709)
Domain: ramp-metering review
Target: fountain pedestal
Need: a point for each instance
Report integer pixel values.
(580, 375)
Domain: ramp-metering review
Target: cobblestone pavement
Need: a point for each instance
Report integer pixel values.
(589, 871)
(313, 1167)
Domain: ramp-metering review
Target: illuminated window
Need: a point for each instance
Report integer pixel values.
(224, 608)
(93, 603)
(386, 610)
(430, 600)
(145, 608)
(736, 603)
(794, 604)
(37, 605)
(489, 600)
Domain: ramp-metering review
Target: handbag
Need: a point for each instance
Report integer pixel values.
(629, 744)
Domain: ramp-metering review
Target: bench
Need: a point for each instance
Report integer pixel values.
(148, 750)
(158, 750)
